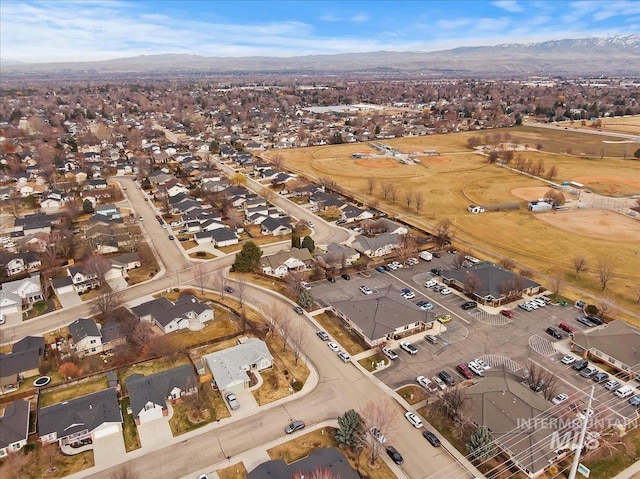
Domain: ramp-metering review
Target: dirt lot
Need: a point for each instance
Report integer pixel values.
(599, 224)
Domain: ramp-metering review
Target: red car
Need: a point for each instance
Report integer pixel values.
(567, 328)
(464, 371)
(507, 312)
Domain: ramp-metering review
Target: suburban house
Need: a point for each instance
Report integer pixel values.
(321, 200)
(149, 394)
(120, 265)
(381, 316)
(496, 285)
(616, 344)
(14, 424)
(352, 213)
(174, 316)
(82, 280)
(23, 262)
(337, 256)
(276, 226)
(22, 362)
(281, 263)
(36, 223)
(84, 418)
(229, 367)
(380, 245)
(328, 458)
(499, 402)
(110, 211)
(87, 339)
(392, 227)
(112, 335)
(219, 237)
(16, 294)
(540, 205)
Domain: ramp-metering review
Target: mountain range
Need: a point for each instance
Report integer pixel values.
(609, 56)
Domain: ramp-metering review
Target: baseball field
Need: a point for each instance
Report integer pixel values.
(451, 176)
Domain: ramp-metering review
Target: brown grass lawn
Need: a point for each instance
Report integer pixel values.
(449, 187)
(332, 325)
(274, 387)
(202, 255)
(235, 471)
(370, 362)
(213, 409)
(412, 394)
(139, 275)
(73, 391)
(34, 464)
(303, 445)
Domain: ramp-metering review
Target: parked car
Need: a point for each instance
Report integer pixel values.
(345, 276)
(380, 269)
(408, 295)
(377, 435)
(554, 332)
(539, 386)
(445, 291)
(436, 271)
(365, 290)
(464, 371)
(424, 305)
(322, 335)
(423, 381)
(506, 312)
(588, 372)
(294, 426)
(232, 400)
(431, 338)
(413, 419)
(445, 318)
(333, 347)
(560, 398)
(476, 368)
(635, 400)
(430, 284)
(612, 385)
(579, 365)
(390, 353)
(469, 305)
(441, 384)
(298, 309)
(171, 237)
(331, 279)
(525, 306)
(568, 359)
(344, 356)
(446, 377)
(585, 321)
(566, 327)
(624, 392)
(408, 347)
(305, 285)
(432, 438)
(482, 364)
(600, 377)
(595, 320)
(229, 289)
(395, 455)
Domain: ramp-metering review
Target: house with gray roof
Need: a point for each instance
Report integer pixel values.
(149, 394)
(14, 427)
(328, 458)
(376, 246)
(22, 362)
(281, 263)
(352, 213)
(504, 404)
(174, 316)
(229, 367)
(219, 237)
(23, 292)
(275, 227)
(497, 285)
(337, 256)
(86, 336)
(87, 417)
(381, 316)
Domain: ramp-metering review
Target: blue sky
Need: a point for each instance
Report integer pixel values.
(47, 31)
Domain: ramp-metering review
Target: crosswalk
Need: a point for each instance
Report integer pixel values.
(495, 360)
(491, 319)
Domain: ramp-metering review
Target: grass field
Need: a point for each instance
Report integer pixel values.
(459, 177)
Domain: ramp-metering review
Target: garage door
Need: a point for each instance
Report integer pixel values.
(150, 415)
(106, 431)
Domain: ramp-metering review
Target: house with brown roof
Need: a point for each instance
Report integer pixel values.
(281, 263)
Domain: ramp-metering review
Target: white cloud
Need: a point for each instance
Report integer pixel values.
(508, 5)
(491, 24)
(453, 24)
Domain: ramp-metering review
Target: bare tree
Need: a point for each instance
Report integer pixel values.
(458, 260)
(386, 189)
(220, 281)
(16, 464)
(241, 292)
(200, 276)
(606, 271)
(512, 288)
(139, 335)
(283, 325)
(579, 264)
(444, 235)
(107, 302)
(98, 265)
(552, 172)
(454, 405)
(371, 184)
(393, 192)
(605, 305)
(298, 338)
(408, 198)
(382, 415)
(472, 284)
(541, 379)
(277, 161)
(507, 263)
(418, 201)
(293, 281)
(268, 194)
(125, 472)
(51, 455)
(556, 284)
(408, 247)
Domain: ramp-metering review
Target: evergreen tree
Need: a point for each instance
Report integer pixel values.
(481, 444)
(308, 243)
(351, 430)
(295, 240)
(248, 258)
(306, 299)
(87, 207)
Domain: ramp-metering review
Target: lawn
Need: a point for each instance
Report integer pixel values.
(459, 177)
(370, 362)
(129, 429)
(72, 391)
(202, 255)
(302, 446)
(235, 471)
(213, 408)
(274, 386)
(412, 394)
(332, 325)
(33, 464)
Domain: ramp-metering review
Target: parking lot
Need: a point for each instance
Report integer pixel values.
(474, 333)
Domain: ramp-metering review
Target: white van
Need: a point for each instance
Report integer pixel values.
(624, 392)
(426, 255)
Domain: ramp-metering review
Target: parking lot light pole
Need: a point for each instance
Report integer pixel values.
(583, 432)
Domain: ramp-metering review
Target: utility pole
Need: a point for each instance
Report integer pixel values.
(583, 433)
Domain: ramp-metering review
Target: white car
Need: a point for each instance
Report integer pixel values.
(390, 353)
(525, 306)
(365, 290)
(408, 347)
(445, 291)
(424, 381)
(476, 368)
(413, 419)
(560, 398)
(344, 356)
(586, 413)
(539, 302)
(305, 285)
(440, 383)
(482, 364)
(377, 435)
(568, 359)
(430, 284)
(333, 347)
(409, 295)
(396, 264)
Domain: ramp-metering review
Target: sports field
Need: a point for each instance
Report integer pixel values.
(455, 177)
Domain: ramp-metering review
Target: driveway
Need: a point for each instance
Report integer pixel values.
(118, 283)
(69, 300)
(109, 450)
(156, 432)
